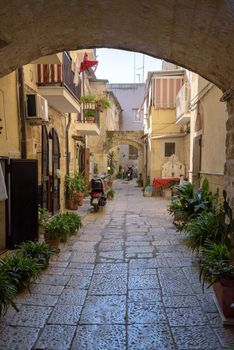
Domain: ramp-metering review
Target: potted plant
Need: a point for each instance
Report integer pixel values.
(73, 221)
(70, 192)
(80, 188)
(43, 217)
(56, 230)
(217, 269)
(102, 103)
(89, 115)
(89, 101)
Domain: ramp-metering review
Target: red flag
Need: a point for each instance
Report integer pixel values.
(86, 63)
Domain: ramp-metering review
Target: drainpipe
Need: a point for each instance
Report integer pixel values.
(21, 112)
(67, 144)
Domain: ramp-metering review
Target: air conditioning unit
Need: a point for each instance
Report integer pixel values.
(37, 109)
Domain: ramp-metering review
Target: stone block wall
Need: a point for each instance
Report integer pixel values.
(229, 165)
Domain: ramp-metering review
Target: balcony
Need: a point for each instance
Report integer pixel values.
(89, 123)
(55, 83)
(182, 105)
(51, 59)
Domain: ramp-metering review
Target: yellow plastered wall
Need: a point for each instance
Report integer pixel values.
(9, 137)
(163, 123)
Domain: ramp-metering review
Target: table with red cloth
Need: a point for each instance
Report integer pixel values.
(165, 182)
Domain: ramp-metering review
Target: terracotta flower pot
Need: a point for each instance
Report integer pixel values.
(52, 242)
(224, 291)
(71, 204)
(79, 198)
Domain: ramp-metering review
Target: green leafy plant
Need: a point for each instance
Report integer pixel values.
(88, 99)
(43, 215)
(111, 162)
(215, 263)
(70, 187)
(39, 252)
(90, 113)
(102, 103)
(111, 193)
(20, 269)
(57, 228)
(7, 293)
(73, 221)
(202, 228)
(79, 183)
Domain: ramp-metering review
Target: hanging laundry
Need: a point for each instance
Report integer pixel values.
(76, 78)
(3, 191)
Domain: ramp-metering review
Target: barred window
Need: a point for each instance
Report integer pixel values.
(169, 149)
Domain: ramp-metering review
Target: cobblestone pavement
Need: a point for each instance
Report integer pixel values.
(125, 282)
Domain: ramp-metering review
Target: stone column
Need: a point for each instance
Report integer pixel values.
(229, 165)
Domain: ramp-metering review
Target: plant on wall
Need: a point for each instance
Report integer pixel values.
(111, 162)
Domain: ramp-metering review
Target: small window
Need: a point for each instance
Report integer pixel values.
(169, 149)
(137, 115)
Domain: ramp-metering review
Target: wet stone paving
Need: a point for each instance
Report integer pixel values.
(125, 282)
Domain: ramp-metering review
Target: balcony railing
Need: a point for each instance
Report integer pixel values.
(182, 101)
(83, 118)
(59, 75)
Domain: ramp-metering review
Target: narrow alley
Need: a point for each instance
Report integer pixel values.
(125, 282)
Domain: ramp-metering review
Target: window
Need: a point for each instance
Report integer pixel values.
(133, 152)
(138, 115)
(169, 149)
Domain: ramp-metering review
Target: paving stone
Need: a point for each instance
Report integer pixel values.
(72, 296)
(207, 302)
(83, 257)
(82, 282)
(142, 295)
(143, 282)
(79, 265)
(150, 312)
(150, 337)
(78, 272)
(36, 299)
(111, 255)
(180, 301)
(104, 310)
(179, 262)
(17, 338)
(55, 337)
(65, 314)
(31, 316)
(225, 335)
(214, 319)
(58, 263)
(199, 338)
(108, 284)
(53, 280)
(147, 263)
(143, 271)
(46, 289)
(55, 270)
(111, 268)
(190, 316)
(100, 337)
(105, 247)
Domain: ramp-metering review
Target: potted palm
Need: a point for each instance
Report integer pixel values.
(70, 192)
(80, 188)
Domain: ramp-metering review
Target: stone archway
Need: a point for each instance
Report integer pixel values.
(193, 34)
(133, 138)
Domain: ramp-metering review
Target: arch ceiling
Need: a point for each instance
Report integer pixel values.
(194, 34)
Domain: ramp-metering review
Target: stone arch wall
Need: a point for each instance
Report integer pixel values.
(117, 138)
(162, 29)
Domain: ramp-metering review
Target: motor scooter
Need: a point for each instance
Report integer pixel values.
(129, 174)
(98, 192)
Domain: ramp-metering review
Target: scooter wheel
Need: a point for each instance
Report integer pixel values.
(95, 207)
